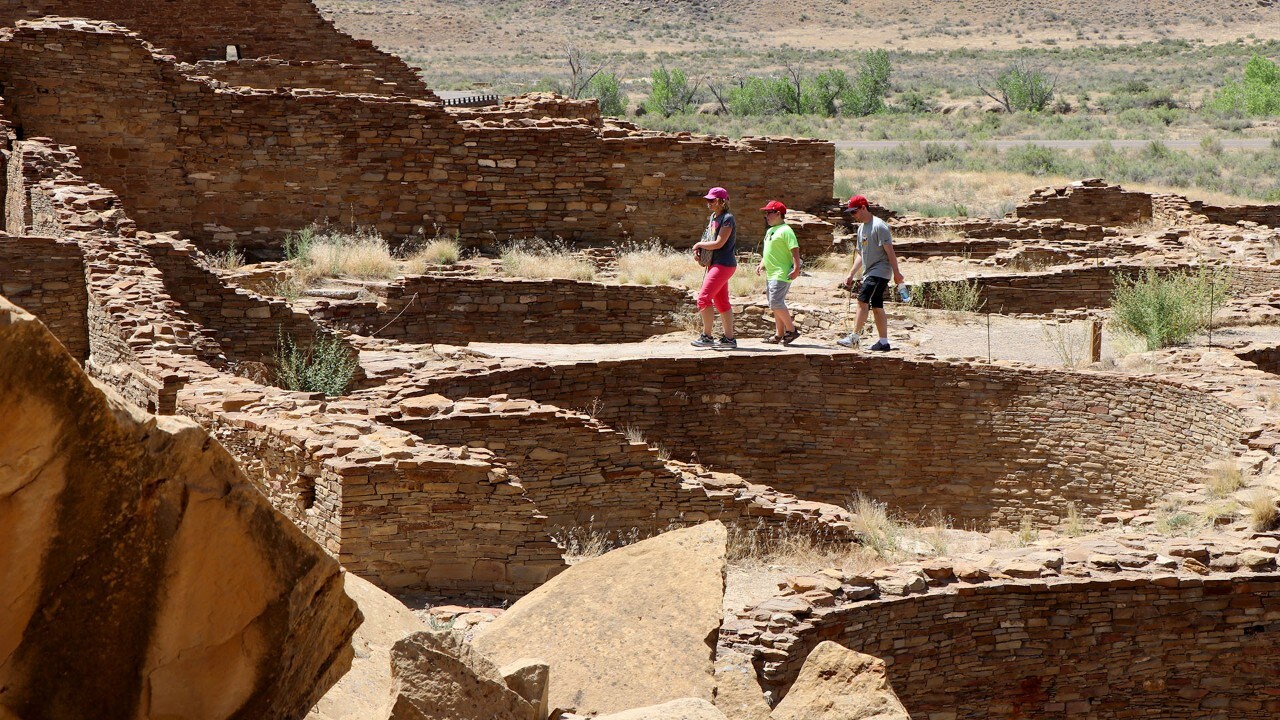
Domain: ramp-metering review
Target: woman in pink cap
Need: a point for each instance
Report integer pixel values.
(719, 239)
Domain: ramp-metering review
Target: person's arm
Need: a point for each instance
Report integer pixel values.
(721, 238)
(857, 265)
(893, 263)
(795, 263)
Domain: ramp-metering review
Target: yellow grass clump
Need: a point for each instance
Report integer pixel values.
(543, 259)
(440, 251)
(654, 264)
(318, 252)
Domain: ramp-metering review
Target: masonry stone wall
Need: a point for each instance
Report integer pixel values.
(45, 277)
(246, 327)
(195, 30)
(426, 309)
(1051, 229)
(322, 74)
(252, 165)
(1109, 649)
(984, 444)
(1089, 202)
(1268, 215)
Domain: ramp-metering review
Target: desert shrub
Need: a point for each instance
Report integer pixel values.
(607, 90)
(1225, 479)
(1167, 309)
(539, 258)
(1262, 509)
(954, 295)
(1021, 87)
(1257, 94)
(326, 366)
(762, 96)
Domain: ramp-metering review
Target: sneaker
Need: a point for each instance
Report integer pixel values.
(880, 346)
(790, 336)
(774, 339)
(726, 343)
(704, 340)
(851, 341)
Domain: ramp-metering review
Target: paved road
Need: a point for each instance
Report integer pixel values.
(1229, 143)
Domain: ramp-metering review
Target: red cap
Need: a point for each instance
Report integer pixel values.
(857, 201)
(717, 193)
(775, 205)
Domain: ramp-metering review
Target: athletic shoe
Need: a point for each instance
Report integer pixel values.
(704, 340)
(726, 343)
(880, 346)
(774, 339)
(790, 336)
(851, 341)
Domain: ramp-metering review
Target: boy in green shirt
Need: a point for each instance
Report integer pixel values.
(780, 262)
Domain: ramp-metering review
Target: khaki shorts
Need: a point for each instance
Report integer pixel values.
(776, 290)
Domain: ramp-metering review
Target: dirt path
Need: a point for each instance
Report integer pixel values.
(1228, 144)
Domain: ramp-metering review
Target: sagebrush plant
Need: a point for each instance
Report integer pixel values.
(1069, 340)
(327, 365)
(1168, 308)
(954, 295)
(538, 258)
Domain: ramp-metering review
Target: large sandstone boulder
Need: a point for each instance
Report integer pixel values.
(367, 691)
(631, 628)
(140, 575)
(840, 684)
(684, 709)
(440, 677)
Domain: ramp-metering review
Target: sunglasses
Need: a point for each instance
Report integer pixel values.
(771, 212)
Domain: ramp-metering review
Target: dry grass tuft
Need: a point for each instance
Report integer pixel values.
(745, 282)
(440, 251)
(229, 259)
(538, 258)
(832, 263)
(583, 542)
(762, 544)
(1069, 340)
(319, 252)
(1263, 510)
(654, 264)
(1224, 479)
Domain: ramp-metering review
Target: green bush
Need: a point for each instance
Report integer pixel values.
(866, 94)
(1022, 87)
(671, 93)
(326, 366)
(762, 96)
(1257, 94)
(606, 89)
(1167, 308)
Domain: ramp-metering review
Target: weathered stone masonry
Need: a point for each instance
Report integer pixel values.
(252, 165)
(45, 277)
(985, 444)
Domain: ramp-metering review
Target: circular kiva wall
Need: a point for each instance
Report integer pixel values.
(1149, 648)
(981, 444)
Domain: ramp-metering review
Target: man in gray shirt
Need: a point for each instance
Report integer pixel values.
(875, 254)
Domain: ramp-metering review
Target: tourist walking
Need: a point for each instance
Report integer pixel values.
(720, 240)
(879, 263)
(780, 263)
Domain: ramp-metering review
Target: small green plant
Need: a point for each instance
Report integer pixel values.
(1069, 342)
(1172, 520)
(1257, 94)
(326, 366)
(1167, 309)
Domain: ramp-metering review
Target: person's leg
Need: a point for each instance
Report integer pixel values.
(720, 297)
(708, 319)
(861, 318)
(779, 322)
(705, 300)
(882, 322)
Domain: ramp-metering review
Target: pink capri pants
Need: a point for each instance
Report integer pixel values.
(715, 288)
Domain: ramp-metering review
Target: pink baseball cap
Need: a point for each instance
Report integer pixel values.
(717, 193)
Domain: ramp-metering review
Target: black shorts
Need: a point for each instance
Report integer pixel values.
(872, 291)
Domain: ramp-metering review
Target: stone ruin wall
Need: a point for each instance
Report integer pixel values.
(45, 277)
(1088, 202)
(980, 444)
(319, 74)
(1113, 649)
(195, 30)
(252, 165)
(424, 309)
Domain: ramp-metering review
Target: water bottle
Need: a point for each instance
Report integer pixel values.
(904, 293)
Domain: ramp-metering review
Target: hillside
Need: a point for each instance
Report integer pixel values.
(440, 29)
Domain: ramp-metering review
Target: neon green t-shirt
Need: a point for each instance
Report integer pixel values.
(779, 240)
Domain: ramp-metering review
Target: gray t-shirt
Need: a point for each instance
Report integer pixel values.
(873, 235)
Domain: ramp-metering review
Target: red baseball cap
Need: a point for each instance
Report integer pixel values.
(857, 201)
(717, 193)
(775, 205)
